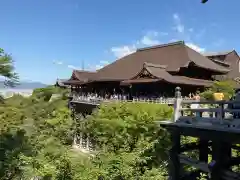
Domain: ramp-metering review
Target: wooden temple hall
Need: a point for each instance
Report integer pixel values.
(156, 71)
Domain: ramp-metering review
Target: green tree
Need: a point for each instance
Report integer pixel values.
(131, 143)
(34, 135)
(227, 87)
(7, 68)
(36, 141)
(46, 93)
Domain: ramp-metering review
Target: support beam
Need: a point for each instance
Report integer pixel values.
(203, 166)
(175, 166)
(203, 150)
(221, 153)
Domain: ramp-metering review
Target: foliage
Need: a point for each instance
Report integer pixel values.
(46, 93)
(226, 87)
(7, 68)
(123, 125)
(36, 137)
(131, 143)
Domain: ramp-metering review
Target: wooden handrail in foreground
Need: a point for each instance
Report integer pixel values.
(217, 113)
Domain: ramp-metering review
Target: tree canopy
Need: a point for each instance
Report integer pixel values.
(36, 141)
(7, 68)
(227, 87)
(36, 136)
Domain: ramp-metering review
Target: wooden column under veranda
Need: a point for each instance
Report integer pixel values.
(213, 144)
(81, 140)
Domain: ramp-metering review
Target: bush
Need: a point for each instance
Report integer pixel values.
(130, 140)
(227, 87)
(130, 143)
(46, 93)
(122, 125)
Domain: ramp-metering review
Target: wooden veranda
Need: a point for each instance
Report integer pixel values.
(216, 137)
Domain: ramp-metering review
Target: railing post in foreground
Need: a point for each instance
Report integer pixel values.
(177, 104)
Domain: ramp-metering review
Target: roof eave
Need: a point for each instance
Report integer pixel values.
(223, 70)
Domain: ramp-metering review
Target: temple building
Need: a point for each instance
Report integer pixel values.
(157, 70)
(61, 83)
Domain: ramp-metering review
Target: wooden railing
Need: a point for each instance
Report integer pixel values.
(209, 112)
(95, 100)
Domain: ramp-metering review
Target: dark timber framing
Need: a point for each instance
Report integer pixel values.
(214, 141)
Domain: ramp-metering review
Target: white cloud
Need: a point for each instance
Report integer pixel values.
(94, 67)
(173, 40)
(152, 33)
(200, 34)
(175, 16)
(179, 31)
(123, 50)
(148, 41)
(178, 26)
(190, 29)
(68, 66)
(98, 67)
(195, 47)
(72, 67)
(104, 62)
(187, 35)
(58, 62)
(218, 43)
(163, 33)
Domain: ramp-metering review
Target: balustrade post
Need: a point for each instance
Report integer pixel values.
(177, 104)
(221, 113)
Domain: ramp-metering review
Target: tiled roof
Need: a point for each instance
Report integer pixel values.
(173, 56)
(159, 73)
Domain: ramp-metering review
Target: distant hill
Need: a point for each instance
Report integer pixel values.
(25, 85)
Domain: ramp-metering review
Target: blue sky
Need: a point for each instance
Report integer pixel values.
(48, 38)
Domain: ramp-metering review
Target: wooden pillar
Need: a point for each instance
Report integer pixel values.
(216, 160)
(130, 93)
(221, 152)
(87, 143)
(81, 139)
(203, 150)
(74, 140)
(174, 165)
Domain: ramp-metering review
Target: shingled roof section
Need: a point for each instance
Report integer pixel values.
(173, 55)
(60, 82)
(80, 76)
(230, 59)
(159, 73)
(222, 53)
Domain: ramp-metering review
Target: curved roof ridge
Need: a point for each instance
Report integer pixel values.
(202, 61)
(83, 71)
(81, 75)
(219, 53)
(161, 45)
